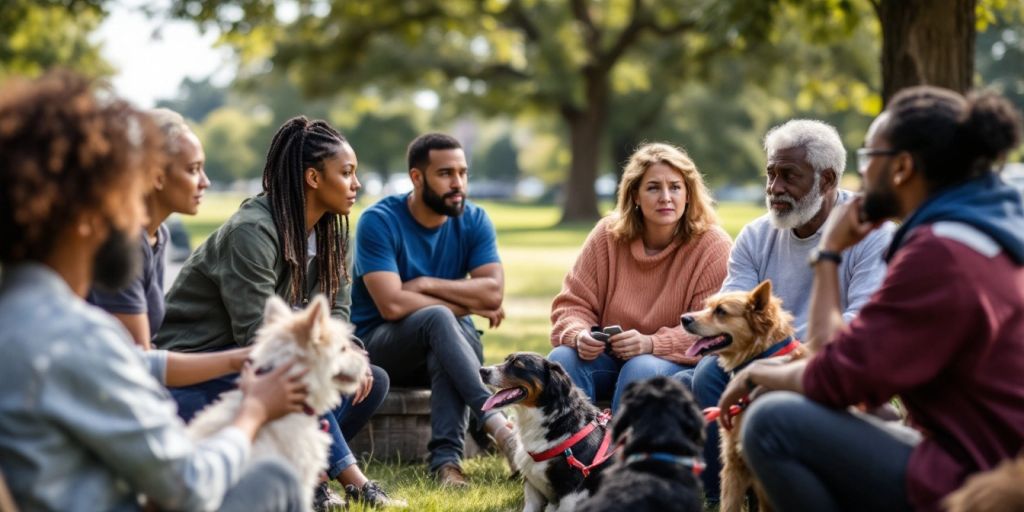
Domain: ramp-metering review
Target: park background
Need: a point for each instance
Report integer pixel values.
(549, 98)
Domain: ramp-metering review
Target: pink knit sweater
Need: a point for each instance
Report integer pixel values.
(616, 283)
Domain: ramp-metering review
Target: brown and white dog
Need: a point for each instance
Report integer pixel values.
(317, 343)
(562, 436)
(741, 327)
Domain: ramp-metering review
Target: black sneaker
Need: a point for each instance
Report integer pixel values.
(373, 495)
(326, 500)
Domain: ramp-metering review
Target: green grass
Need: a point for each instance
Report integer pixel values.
(536, 256)
(491, 488)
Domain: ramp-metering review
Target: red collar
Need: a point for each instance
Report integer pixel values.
(712, 413)
(793, 345)
(565, 447)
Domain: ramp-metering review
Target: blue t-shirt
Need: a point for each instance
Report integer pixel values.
(145, 294)
(389, 239)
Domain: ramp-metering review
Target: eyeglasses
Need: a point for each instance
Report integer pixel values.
(864, 156)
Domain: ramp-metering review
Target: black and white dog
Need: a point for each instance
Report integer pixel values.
(661, 432)
(564, 442)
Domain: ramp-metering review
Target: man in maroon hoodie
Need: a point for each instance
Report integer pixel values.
(944, 333)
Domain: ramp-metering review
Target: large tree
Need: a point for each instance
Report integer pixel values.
(36, 35)
(927, 42)
(496, 56)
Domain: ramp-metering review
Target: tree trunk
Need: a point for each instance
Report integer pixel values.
(927, 42)
(586, 133)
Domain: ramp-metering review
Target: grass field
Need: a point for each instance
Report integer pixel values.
(536, 257)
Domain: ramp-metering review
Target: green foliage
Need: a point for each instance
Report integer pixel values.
(38, 35)
(379, 142)
(227, 136)
(196, 99)
(499, 161)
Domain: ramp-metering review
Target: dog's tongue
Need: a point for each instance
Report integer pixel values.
(702, 344)
(498, 398)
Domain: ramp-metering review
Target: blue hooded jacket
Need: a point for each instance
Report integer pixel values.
(987, 203)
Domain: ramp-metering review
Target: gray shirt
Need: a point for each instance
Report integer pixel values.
(85, 423)
(145, 294)
(763, 252)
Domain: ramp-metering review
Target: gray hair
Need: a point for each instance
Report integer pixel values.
(821, 141)
(172, 125)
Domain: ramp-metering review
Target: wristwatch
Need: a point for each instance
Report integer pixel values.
(818, 254)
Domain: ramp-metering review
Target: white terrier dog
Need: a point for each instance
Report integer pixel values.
(316, 342)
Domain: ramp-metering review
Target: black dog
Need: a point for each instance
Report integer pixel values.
(661, 432)
(564, 442)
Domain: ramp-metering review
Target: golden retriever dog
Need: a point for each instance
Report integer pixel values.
(741, 327)
(316, 342)
(997, 490)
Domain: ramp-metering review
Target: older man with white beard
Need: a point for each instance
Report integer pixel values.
(806, 160)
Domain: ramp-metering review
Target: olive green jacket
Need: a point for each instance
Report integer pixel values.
(218, 298)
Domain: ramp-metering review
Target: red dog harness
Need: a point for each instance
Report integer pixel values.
(565, 447)
(712, 413)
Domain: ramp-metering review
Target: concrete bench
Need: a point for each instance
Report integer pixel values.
(400, 429)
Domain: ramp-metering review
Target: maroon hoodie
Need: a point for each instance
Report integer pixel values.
(945, 333)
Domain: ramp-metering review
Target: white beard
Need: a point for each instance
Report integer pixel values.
(802, 211)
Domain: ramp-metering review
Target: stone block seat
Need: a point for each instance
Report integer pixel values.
(400, 429)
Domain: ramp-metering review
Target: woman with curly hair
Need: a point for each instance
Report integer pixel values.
(293, 241)
(85, 422)
(660, 254)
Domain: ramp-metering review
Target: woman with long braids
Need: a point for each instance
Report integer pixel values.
(292, 240)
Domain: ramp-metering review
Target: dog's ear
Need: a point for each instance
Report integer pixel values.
(312, 321)
(558, 379)
(624, 416)
(762, 295)
(275, 309)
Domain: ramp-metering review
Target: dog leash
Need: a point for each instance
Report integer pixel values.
(565, 447)
(787, 345)
(694, 464)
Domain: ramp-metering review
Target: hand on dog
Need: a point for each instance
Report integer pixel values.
(364, 387)
(845, 227)
(273, 394)
(629, 344)
(739, 389)
(587, 347)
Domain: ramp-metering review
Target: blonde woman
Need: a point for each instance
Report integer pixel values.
(661, 253)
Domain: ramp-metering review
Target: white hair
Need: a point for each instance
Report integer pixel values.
(821, 141)
(173, 126)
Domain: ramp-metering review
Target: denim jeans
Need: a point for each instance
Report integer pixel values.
(434, 347)
(708, 382)
(606, 377)
(267, 485)
(812, 457)
(344, 421)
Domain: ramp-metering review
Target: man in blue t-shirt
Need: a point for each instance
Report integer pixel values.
(424, 262)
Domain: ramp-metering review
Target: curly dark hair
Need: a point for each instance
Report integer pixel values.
(952, 138)
(66, 142)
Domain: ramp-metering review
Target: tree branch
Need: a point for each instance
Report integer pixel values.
(517, 16)
(628, 36)
(593, 34)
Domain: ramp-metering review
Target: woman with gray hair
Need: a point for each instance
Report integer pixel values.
(178, 188)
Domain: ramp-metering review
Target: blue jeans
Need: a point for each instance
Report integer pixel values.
(434, 347)
(344, 421)
(708, 382)
(811, 457)
(606, 377)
